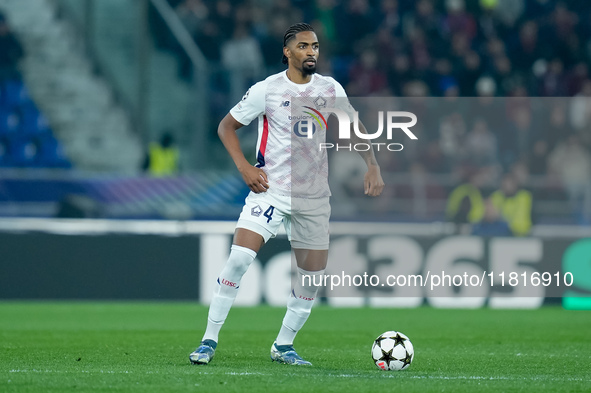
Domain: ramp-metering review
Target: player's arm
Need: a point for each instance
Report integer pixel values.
(255, 178)
(373, 183)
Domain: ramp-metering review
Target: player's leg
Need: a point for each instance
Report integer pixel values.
(309, 231)
(251, 233)
(311, 265)
(244, 250)
(310, 269)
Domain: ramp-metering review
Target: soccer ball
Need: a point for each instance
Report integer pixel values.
(392, 351)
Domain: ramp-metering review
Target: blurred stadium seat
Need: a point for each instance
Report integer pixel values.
(15, 94)
(9, 121)
(51, 153)
(33, 122)
(23, 151)
(26, 140)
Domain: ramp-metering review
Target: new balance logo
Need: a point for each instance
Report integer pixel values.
(284, 103)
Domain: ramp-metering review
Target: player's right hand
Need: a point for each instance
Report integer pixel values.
(256, 179)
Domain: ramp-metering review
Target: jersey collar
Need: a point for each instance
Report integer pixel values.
(300, 85)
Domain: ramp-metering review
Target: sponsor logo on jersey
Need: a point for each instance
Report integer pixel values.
(319, 117)
(303, 128)
(284, 103)
(256, 211)
(302, 117)
(308, 123)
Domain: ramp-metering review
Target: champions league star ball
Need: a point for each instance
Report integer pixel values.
(392, 351)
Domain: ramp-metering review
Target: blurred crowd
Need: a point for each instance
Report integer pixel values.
(432, 48)
(408, 47)
(540, 142)
(485, 49)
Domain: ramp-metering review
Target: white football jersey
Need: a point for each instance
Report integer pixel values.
(287, 111)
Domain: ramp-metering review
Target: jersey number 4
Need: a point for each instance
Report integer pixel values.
(269, 213)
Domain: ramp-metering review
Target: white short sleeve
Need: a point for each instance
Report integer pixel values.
(252, 104)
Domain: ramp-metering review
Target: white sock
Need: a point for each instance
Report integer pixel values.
(226, 289)
(299, 305)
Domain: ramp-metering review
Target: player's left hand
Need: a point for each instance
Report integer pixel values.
(373, 182)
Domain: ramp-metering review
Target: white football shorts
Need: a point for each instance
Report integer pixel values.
(305, 220)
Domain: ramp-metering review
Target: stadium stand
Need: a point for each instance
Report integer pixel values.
(59, 78)
(26, 140)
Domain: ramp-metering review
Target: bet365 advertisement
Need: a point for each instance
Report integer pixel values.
(389, 266)
(409, 271)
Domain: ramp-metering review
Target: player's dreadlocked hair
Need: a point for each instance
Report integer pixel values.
(291, 33)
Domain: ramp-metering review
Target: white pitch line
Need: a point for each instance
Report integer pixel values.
(378, 374)
(46, 371)
(459, 377)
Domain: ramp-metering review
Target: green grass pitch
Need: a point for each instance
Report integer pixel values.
(144, 347)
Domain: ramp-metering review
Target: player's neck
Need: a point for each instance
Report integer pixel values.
(298, 77)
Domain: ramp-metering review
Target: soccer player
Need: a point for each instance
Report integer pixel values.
(288, 184)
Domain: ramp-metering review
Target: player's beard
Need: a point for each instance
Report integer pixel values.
(308, 70)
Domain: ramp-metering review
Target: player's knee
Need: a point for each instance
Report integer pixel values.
(310, 279)
(238, 262)
(240, 259)
(309, 282)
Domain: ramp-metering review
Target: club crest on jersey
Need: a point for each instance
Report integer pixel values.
(320, 103)
(256, 211)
